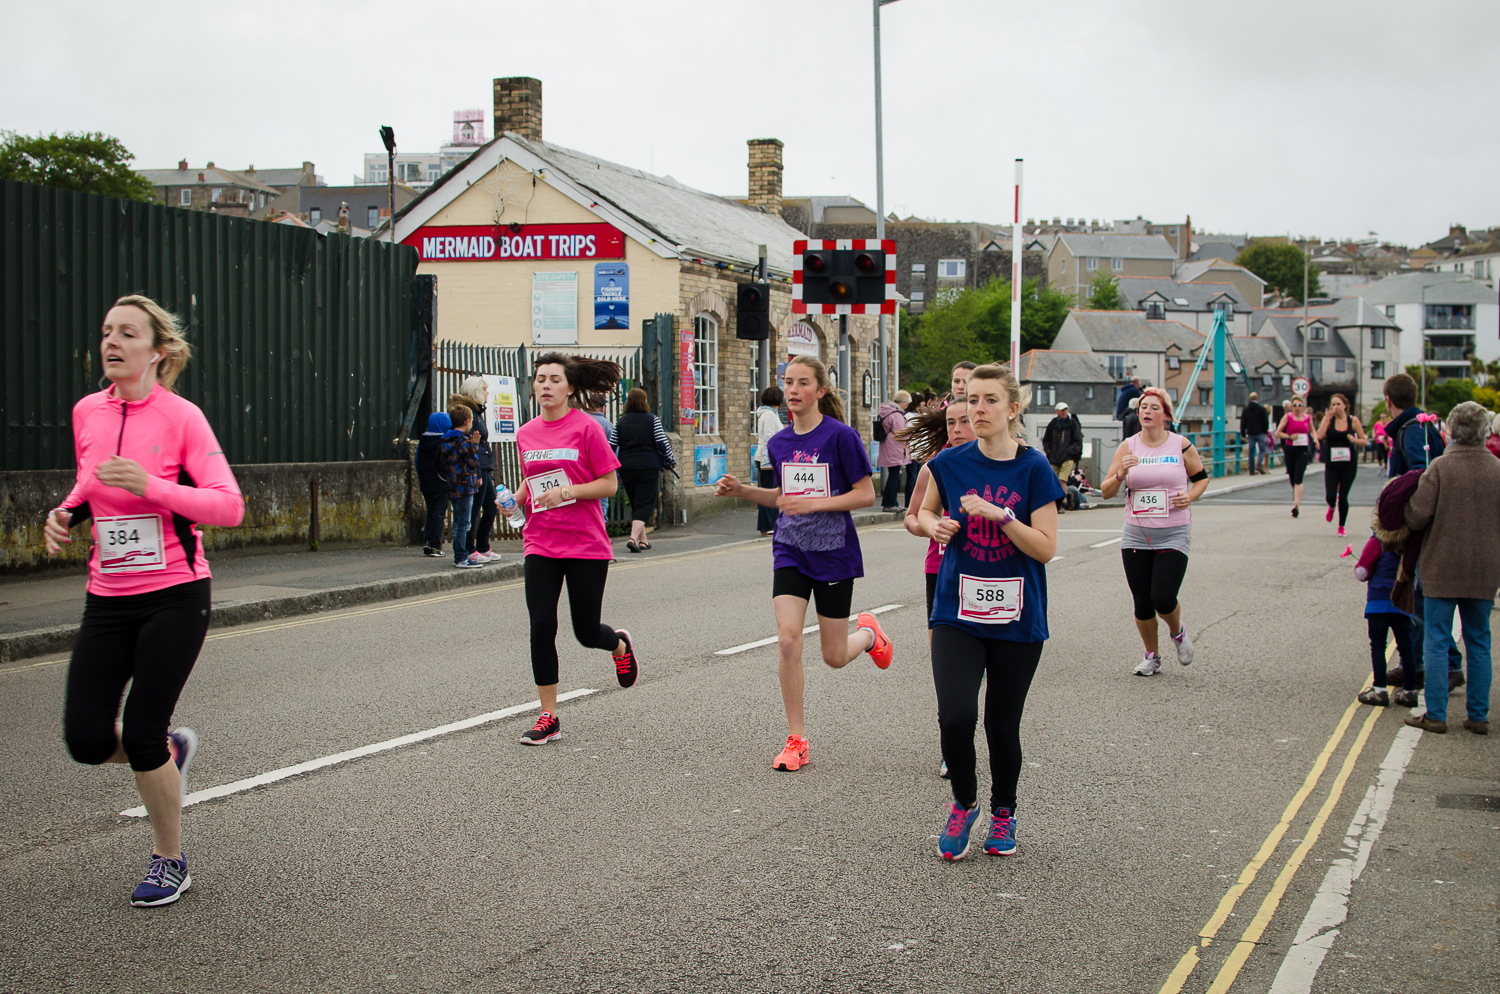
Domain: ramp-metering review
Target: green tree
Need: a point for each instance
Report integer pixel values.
(974, 325)
(88, 163)
(1281, 266)
(1105, 295)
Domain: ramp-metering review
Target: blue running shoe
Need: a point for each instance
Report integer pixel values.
(166, 879)
(183, 744)
(954, 843)
(1002, 840)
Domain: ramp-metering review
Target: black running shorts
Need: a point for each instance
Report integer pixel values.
(833, 597)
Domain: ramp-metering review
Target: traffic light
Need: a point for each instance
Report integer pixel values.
(752, 312)
(831, 276)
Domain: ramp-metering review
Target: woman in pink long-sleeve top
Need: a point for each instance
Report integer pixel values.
(149, 471)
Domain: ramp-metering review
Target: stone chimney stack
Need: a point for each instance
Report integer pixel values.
(518, 107)
(765, 173)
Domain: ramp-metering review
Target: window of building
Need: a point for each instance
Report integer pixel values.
(1117, 264)
(919, 269)
(1088, 393)
(1173, 393)
(1227, 306)
(372, 217)
(1377, 370)
(315, 215)
(706, 373)
(1286, 380)
(216, 194)
(1267, 380)
(1318, 333)
(1174, 362)
(1172, 232)
(1156, 310)
(1093, 262)
(1390, 311)
(1315, 368)
(1046, 396)
(187, 197)
(1065, 265)
(1455, 317)
(1205, 395)
(1377, 338)
(918, 296)
(952, 269)
(432, 172)
(1116, 366)
(1338, 365)
(1458, 268)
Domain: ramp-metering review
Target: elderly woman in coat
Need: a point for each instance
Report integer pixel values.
(1458, 503)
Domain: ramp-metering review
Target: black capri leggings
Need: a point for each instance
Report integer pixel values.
(640, 489)
(1154, 578)
(1295, 457)
(544, 583)
(149, 640)
(1338, 479)
(959, 662)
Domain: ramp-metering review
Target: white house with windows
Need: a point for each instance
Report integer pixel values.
(1349, 346)
(1194, 304)
(1451, 315)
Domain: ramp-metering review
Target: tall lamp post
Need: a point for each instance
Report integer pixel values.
(388, 138)
(883, 392)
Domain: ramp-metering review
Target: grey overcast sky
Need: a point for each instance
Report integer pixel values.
(1305, 116)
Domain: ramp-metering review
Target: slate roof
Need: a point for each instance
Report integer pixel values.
(1287, 325)
(1215, 250)
(1406, 288)
(211, 177)
(1062, 366)
(1118, 246)
(1198, 295)
(1129, 331)
(689, 221)
(1189, 271)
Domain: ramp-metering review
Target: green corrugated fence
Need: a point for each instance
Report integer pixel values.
(301, 342)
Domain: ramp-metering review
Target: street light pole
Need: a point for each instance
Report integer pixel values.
(882, 393)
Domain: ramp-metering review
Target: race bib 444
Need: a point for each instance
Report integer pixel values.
(804, 479)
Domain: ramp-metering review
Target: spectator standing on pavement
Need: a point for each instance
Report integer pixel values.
(475, 394)
(1062, 441)
(1296, 434)
(892, 456)
(1132, 423)
(146, 610)
(593, 406)
(1493, 442)
(1458, 503)
(1254, 423)
(462, 463)
(1341, 436)
(644, 451)
(1127, 392)
(432, 476)
(1378, 565)
(767, 424)
(1416, 440)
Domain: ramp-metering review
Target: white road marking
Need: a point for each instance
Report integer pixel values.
(1331, 905)
(1108, 541)
(1056, 558)
(249, 783)
(1088, 531)
(732, 650)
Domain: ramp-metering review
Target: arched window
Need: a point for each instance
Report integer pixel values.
(706, 373)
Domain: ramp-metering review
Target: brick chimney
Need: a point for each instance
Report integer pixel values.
(182, 165)
(518, 107)
(765, 173)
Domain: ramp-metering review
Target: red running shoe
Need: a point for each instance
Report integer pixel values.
(626, 669)
(881, 650)
(794, 756)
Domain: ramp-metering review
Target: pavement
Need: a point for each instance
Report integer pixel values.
(362, 818)
(39, 613)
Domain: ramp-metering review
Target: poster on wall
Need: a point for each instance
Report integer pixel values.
(689, 416)
(611, 296)
(554, 308)
(709, 463)
(501, 410)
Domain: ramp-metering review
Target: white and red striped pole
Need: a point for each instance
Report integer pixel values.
(1015, 281)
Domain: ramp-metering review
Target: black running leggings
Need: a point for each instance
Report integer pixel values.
(1338, 478)
(959, 662)
(1154, 578)
(150, 641)
(1295, 457)
(544, 583)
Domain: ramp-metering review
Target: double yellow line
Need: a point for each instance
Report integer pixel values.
(1248, 940)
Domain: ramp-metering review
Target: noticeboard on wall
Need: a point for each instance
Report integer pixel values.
(554, 308)
(709, 463)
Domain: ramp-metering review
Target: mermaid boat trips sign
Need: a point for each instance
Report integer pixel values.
(497, 243)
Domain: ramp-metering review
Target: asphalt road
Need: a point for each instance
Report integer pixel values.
(653, 848)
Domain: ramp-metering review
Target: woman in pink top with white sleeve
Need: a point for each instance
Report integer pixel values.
(1162, 474)
(568, 467)
(149, 470)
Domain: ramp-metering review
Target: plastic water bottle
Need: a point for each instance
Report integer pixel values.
(510, 507)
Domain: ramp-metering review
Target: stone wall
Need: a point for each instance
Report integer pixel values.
(356, 502)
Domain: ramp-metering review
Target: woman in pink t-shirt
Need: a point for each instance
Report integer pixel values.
(568, 467)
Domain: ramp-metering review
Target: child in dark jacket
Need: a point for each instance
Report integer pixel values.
(1377, 565)
(432, 475)
(462, 456)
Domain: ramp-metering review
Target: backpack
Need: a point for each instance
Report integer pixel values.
(879, 430)
(1435, 445)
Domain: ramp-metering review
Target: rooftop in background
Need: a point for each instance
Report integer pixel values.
(1062, 366)
(1180, 296)
(1118, 246)
(1190, 271)
(1442, 288)
(1129, 331)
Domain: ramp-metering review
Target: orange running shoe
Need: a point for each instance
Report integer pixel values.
(880, 649)
(794, 756)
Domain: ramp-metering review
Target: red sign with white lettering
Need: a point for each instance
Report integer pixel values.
(503, 243)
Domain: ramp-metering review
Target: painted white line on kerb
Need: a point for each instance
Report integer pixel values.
(250, 783)
(806, 631)
(1088, 531)
(1331, 905)
(1108, 541)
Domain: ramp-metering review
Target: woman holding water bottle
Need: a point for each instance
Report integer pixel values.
(567, 467)
(1162, 474)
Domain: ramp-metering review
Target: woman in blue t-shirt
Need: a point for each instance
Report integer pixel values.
(989, 618)
(821, 473)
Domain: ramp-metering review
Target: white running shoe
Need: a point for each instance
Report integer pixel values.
(1150, 666)
(1184, 647)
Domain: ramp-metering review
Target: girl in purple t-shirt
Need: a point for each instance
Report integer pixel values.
(821, 473)
(568, 466)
